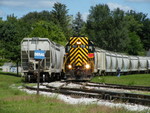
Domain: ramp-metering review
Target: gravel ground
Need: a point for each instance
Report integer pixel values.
(70, 100)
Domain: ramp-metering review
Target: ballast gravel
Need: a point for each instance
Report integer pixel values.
(71, 100)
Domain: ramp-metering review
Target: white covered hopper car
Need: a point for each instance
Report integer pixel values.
(107, 62)
(50, 67)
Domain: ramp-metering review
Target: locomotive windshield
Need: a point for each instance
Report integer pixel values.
(74, 46)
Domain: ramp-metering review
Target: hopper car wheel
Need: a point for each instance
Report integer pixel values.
(47, 78)
(59, 76)
(29, 78)
(103, 73)
(26, 78)
(62, 75)
(44, 78)
(53, 77)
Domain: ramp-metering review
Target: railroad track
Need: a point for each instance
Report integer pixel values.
(116, 86)
(100, 94)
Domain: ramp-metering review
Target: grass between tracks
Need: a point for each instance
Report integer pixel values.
(13, 100)
(131, 80)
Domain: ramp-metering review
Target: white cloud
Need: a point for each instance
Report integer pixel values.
(113, 6)
(138, 0)
(43, 4)
(2, 13)
(28, 3)
(11, 3)
(85, 15)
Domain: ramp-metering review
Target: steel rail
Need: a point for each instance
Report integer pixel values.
(100, 94)
(117, 86)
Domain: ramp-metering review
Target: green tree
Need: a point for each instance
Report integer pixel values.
(11, 39)
(117, 31)
(143, 33)
(78, 25)
(97, 27)
(118, 37)
(134, 27)
(108, 29)
(60, 17)
(48, 30)
(135, 46)
(1, 40)
(33, 17)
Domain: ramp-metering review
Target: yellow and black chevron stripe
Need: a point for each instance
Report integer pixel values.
(78, 54)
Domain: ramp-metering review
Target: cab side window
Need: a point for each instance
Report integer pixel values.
(91, 49)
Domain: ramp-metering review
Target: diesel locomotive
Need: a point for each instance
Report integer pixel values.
(79, 59)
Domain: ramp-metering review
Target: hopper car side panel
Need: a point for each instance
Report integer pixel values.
(126, 64)
(134, 63)
(142, 63)
(100, 62)
(119, 61)
(114, 63)
(148, 64)
(108, 63)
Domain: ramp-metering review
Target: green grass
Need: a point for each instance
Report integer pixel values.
(13, 100)
(131, 80)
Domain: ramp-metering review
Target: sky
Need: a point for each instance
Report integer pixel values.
(22, 7)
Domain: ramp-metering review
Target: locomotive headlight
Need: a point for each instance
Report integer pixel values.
(78, 43)
(87, 66)
(69, 66)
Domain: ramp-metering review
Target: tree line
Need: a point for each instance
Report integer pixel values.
(117, 30)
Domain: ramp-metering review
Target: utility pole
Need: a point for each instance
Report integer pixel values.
(38, 77)
(38, 55)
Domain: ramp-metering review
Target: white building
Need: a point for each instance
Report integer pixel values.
(10, 67)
